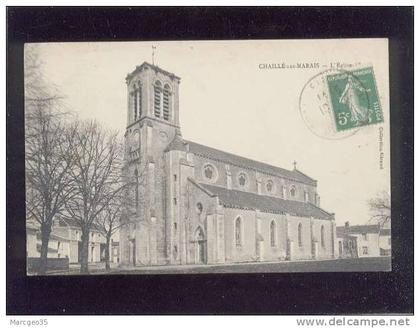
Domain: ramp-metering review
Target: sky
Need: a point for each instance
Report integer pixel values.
(227, 101)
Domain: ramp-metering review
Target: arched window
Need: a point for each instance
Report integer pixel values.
(300, 234)
(242, 179)
(136, 96)
(166, 105)
(238, 232)
(293, 191)
(273, 239)
(322, 236)
(199, 208)
(270, 186)
(136, 189)
(158, 99)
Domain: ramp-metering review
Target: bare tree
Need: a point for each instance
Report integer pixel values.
(380, 208)
(47, 156)
(122, 207)
(109, 222)
(96, 173)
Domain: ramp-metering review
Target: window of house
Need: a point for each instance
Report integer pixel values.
(238, 232)
(306, 196)
(365, 250)
(322, 236)
(273, 239)
(365, 236)
(269, 186)
(293, 191)
(175, 226)
(158, 98)
(175, 177)
(242, 179)
(300, 235)
(175, 201)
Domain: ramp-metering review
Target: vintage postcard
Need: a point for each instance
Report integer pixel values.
(207, 157)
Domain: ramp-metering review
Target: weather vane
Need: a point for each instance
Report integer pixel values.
(153, 54)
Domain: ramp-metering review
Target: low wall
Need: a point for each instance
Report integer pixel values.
(32, 264)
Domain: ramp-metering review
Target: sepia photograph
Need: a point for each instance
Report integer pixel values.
(207, 157)
(209, 160)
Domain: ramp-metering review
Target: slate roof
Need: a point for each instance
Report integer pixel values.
(385, 232)
(74, 223)
(179, 144)
(341, 234)
(246, 200)
(359, 229)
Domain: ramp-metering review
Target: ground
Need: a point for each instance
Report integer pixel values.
(337, 265)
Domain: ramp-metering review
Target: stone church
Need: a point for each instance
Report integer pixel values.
(198, 205)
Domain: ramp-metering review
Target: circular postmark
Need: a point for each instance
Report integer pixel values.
(318, 104)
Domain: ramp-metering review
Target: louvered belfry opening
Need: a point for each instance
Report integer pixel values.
(137, 102)
(158, 99)
(166, 94)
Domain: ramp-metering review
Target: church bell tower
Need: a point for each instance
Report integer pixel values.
(152, 123)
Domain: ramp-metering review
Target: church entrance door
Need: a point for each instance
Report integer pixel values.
(201, 247)
(133, 251)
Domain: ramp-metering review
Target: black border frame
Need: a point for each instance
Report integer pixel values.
(292, 293)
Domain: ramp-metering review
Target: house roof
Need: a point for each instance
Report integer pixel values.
(385, 232)
(74, 223)
(359, 229)
(50, 249)
(204, 151)
(341, 234)
(53, 236)
(247, 200)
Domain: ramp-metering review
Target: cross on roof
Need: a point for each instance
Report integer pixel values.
(294, 165)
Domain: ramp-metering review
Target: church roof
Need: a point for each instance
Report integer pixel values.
(247, 200)
(154, 67)
(179, 144)
(359, 229)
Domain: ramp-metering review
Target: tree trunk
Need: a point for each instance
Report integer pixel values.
(108, 244)
(84, 254)
(45, 238)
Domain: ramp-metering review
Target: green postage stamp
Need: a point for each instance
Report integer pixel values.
(354, 99)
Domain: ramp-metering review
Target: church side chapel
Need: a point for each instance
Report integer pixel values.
(198, 205)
